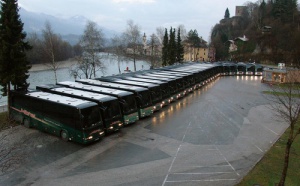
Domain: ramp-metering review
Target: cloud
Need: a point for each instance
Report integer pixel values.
(134, 1)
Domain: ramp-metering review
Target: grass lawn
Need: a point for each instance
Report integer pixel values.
(268, 170)
(280, 94)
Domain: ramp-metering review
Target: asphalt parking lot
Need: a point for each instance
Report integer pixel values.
(212, 137)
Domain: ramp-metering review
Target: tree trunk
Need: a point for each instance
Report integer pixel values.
(55, 75)
(119, 66)
(286, 161)
(134, 64)
(8, 100)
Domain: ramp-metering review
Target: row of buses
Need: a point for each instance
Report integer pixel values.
(242, 69)
(85, 110)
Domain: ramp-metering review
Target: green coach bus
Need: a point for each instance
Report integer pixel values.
(126, 99)
(70, 118)
(109, 105)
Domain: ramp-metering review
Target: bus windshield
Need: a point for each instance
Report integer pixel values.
(130, 104)
(112, 109)
(90, 117)
(145, 99)
(156, 94)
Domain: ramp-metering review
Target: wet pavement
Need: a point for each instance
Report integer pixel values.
(212, 137)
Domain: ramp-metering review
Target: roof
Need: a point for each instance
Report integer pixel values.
(58, 98)
(112, 85)
(241, 38)
(84, 94)
(94, 88)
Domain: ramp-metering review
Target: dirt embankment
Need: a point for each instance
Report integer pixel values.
(62, 64)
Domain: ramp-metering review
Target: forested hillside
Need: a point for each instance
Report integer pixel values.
(272, 28)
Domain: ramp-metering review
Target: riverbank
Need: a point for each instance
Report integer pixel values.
(63, 64)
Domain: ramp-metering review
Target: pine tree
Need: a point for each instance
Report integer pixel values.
(165, 49)
(227, 14)
(172, 48)
(179, 48)
(284, 10)
(262, 13)
(14, 65)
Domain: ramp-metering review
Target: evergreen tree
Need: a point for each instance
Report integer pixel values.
(284, 10)
(193, 38)
(172, 48)
(165, 49)
(179, 48)
(14, 65)
(227, 14)
(261, 13)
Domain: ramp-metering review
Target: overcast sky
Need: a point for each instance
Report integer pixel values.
(201, 15)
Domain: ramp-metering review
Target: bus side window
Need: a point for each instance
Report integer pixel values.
(77, 119)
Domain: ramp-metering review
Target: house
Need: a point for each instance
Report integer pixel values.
(198, 52)
(284, 75)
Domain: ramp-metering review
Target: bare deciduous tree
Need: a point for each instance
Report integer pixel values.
(92, 41)
(155, 47)
(133, 38)
(287, 104)
(50, 46)
(160, 32)
(119, 50)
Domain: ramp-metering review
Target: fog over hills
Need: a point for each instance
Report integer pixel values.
(70, 29)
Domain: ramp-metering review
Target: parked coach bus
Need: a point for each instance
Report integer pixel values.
(142, 95)
(126, 99)
(70, 118)
(155, 92)
(258, 70)
(241, 69)
(172, 84)
(109, 105)
(181, 92)
(188, 79)
(163, 86)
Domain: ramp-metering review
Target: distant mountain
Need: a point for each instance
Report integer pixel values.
(70, 29)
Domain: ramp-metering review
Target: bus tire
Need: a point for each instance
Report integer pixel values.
(64, 135)
(26, 123)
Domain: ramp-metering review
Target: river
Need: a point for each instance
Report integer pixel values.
(63, 74)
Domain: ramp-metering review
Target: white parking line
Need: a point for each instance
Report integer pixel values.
(205, 180)
(199, 173)
(228, 162)
(270, 130)
(258, 148)
(176, 155)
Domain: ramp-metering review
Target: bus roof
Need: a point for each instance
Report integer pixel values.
(81, 93)
(149, 76)
(165, 76)
(113, 85)
(93, 88)
(146, 84)
(61, 99)
(145, 80)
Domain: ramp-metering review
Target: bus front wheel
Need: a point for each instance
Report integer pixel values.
(64, 135)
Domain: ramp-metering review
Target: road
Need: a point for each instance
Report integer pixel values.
(212, 137)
